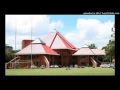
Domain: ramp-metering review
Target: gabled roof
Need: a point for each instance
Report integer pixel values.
(84, 51)
(56, 41)
(37, 47)
(98, 51)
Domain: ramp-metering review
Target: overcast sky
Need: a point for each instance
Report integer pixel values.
(77, 29)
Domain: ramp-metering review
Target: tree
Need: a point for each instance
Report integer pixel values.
(92, 46)
(9, 55)
(113, 30)
(110, 48)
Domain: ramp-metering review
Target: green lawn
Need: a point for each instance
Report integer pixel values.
(62, 71)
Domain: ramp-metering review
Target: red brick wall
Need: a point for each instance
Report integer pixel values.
(84, 60)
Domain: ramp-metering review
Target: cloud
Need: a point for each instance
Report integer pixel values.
(55, 25)
(23, 24)
(87, 31)
(90, 31)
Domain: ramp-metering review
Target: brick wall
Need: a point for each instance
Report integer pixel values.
(26, 43)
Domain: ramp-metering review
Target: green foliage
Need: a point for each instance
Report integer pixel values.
(92, 46)
(9, 55)
(110, 48)
(100, 58)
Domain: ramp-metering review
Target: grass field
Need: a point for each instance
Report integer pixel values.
(87, 71)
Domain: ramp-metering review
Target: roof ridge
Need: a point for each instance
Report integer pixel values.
(91, 50)
(63, 38)
(53, 39)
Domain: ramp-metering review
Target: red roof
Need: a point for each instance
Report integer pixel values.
(38, 47)
(56, 41)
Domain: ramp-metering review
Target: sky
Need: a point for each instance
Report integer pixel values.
(77, 29)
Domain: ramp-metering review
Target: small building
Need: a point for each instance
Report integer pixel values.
(37, 51)
(84, 56)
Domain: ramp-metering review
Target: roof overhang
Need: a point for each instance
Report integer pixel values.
(82, 55)
(100, 54)
(36, 54)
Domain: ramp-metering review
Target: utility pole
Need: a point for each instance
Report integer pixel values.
(31, 42)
